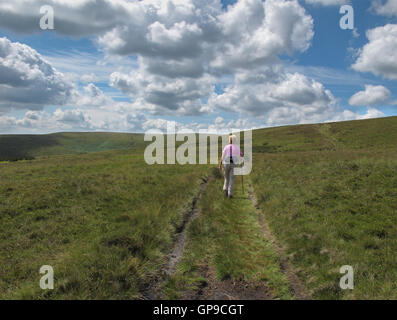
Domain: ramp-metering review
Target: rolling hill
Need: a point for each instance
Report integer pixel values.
(19, 147)
(373, 133)
(114, 227)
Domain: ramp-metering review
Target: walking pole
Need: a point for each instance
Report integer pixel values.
(242, 179)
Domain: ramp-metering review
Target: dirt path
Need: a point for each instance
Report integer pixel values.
(153, 291)
(213, 288)
(326, 131)
(298, 290)
(229, 289)
(180, 241)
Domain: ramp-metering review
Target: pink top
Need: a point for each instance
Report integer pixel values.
(235, 150)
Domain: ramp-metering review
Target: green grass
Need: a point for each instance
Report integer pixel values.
(104, 221)
(227, 239)
(328, 193)
(379, 134)
(374, 134)
(331, 209)
(19, 147)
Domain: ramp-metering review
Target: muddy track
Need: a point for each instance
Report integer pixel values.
(298, 290)
(153, 290)
(227, 289)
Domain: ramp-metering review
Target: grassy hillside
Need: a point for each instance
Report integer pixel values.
(19, 147)
(106, 221)
(332, 209)
(377, 134)
(374, 133)
(331, 201)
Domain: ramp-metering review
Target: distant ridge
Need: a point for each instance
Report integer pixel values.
(358, 134)
(19, 147)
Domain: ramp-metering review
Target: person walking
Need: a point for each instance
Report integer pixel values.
(231, 157)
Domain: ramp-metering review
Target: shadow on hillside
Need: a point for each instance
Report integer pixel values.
(20, 147)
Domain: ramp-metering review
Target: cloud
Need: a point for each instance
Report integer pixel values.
(109, 120)
(7, 124)
(43, 122)
(27, 81)
(379, 55)
(372, 95)
(328, 2)
(92, 96)
(71, 116)
(330, 76)
(162, 95)
(77, 17)
(274, 96)
(182, 47)
(267, 30)
(171, 58)
(287, 98)
(88, 67)
(167, 29)
(188, 39)
(385, 8)
(89, 78)
(173, 29)
(182, 54)
(347, 115)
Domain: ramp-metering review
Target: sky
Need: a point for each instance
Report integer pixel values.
(134, 66)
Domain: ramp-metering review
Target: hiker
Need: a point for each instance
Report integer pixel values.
(231, 157)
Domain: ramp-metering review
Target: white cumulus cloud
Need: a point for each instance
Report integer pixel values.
(172, 58)
(288, 98)
(379, 55)
(371, 96)
(27, 81)
(385, 8)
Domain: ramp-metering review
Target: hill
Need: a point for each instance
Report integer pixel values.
(19, 147)
(373, 133)
(360, 134)
(111, 225)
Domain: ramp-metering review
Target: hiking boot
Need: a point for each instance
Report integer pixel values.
(230, 197)
(226, 194)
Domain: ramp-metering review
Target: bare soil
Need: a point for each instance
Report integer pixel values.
(227, 289)
(153, 290)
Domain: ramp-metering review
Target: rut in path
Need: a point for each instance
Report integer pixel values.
(153, 292)
(297, 288)
(229, 289)
(214, 288)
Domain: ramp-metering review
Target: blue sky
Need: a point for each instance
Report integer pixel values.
(109, 85)
(331, 45)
